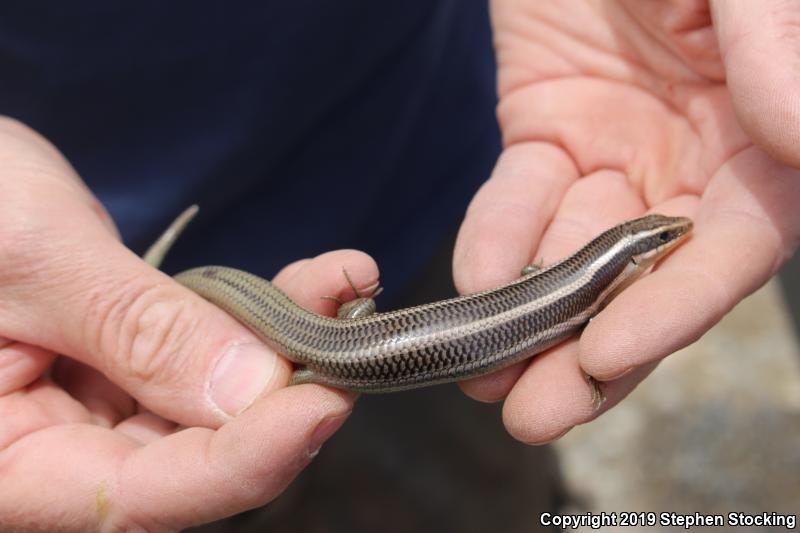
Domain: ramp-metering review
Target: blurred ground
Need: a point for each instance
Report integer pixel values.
(716, 428)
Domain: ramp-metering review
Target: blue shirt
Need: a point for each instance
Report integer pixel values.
(298, 127)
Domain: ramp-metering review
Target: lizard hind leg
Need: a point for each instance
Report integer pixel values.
(303, 375)
(531, 268)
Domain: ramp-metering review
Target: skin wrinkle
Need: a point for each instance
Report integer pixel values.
(642, 16)
(550, 34)
(559, 31)
(99, 320)
(105, 322)
(523, 75)
(512, 31)
(157, 331)
(563, 55)
(640, 40)
(21, 262)
(639, 76)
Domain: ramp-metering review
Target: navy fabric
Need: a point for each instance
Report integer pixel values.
(298, 127)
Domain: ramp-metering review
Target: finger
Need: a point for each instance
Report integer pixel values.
(28, 156)
(553, 396)
(594, 204)
(107, 403)
(495, 386)
(327, 271)
(591, 205)
(145, 427)
(198, 475)
(190, 477)
(549, 398)
(21, 364)
(747, 225)
(40, 405)
(760, 47)
(289, 271)
(505, 220)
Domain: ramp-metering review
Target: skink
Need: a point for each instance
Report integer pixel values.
(444, 341)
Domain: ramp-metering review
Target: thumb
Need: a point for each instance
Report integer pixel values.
(760, 46)
(68, 285)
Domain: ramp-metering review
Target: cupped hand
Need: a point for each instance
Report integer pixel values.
(163, 412)
(611, 109)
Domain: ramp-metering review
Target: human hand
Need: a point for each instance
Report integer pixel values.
(143, 423)
(608, 110)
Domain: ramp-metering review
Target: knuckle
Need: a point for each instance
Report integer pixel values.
(142, 332)
(154, 344)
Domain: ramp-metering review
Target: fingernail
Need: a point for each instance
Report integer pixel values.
(240, 376)
(323, 432)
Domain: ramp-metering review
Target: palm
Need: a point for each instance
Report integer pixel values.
(608, 111)
(630, 97)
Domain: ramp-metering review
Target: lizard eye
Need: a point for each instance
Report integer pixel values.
(663, 236)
